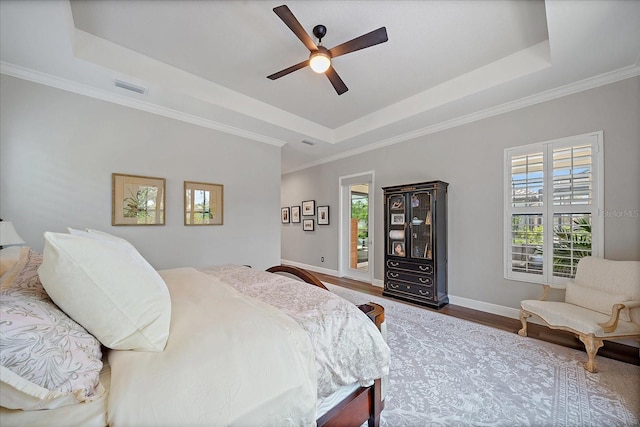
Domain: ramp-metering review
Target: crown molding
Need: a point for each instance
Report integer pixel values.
(549, 95)
(92, 92)
(70, 86)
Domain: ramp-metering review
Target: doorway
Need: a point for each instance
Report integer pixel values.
(356, 225)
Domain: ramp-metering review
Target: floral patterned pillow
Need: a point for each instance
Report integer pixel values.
(46, 359)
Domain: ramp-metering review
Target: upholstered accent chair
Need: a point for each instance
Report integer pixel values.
(601, 303)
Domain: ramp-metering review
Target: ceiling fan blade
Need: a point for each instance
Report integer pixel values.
(370, 39)
(288, 70)
(336, 81)
(290, 20)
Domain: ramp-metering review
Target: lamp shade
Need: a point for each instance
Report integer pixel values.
(8, 234)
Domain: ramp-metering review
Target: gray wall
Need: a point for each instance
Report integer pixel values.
(470, 159)
(58, 150)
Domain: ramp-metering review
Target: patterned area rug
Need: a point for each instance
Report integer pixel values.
(451, 372)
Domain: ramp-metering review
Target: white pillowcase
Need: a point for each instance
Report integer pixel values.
(99, 235)
(104, 284)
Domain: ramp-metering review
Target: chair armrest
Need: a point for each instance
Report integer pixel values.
(547, 288)
(612, 323)
(631, 304)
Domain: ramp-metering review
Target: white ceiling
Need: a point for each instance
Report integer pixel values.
(446, 62)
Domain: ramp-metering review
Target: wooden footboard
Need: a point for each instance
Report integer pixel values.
(364, 404)
(298, 272)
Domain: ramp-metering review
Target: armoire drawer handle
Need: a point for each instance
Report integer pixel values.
(424, 267)
(394, 264)
(424, 280)
(421, 292)
(392, 285)
(394, 275)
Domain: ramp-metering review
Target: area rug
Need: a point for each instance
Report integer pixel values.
(447, 371)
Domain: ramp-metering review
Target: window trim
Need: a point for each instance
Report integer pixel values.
(548, 209)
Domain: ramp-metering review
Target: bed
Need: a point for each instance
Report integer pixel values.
(92, 335)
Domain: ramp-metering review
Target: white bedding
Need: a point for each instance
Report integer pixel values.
(348, 346)
(232, 359)
(254, 368)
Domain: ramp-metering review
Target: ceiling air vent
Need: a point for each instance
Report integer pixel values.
(305, 141)
(131, 87)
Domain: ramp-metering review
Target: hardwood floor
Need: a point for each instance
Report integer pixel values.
(613, 350)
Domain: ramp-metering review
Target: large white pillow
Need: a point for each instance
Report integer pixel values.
(109, 288)
(98, 235)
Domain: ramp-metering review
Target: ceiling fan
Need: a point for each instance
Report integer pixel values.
(320, 57)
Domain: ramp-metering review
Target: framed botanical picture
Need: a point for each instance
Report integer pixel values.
(323, 215)
(309, 208)
(137, 200)
(307, 224)
(295, 213)
(397, 219)
(203, 203)
(284, 215)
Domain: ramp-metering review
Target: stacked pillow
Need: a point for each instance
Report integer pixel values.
(46, 359)
(87, 288)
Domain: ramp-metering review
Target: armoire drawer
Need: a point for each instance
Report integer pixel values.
(422, 279)
(410, 266)
(410, 288)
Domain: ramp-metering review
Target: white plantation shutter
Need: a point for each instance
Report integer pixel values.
(552, 203)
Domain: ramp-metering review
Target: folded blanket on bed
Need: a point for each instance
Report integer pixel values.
(230, 360)
(348, 346)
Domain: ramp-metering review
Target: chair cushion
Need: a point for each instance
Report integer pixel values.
(615, 277)
(595, 299)
(562, 315)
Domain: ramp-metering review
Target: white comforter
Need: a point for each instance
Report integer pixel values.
(230, 360)
(348, 346)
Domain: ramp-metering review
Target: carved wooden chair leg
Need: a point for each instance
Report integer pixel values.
(524, 315)
(591, 344)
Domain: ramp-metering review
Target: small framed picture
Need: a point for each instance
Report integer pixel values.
(398, 249)
(307, 225)
(397, 202)
(323, 215)
(203, 203)
(295, 213)
(284, 213)
(309, 208)
(137, 200)
(397, 219)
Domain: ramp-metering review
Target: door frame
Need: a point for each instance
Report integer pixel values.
(344, 225)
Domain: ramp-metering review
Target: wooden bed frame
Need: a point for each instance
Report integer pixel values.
(364, 404)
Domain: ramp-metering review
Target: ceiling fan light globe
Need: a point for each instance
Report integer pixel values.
(319, 62)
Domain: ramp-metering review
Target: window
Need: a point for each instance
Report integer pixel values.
(553, 200)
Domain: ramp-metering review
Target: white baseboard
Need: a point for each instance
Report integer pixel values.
(463, 302)
(336, 273)
(501, 310)
(311, 268)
